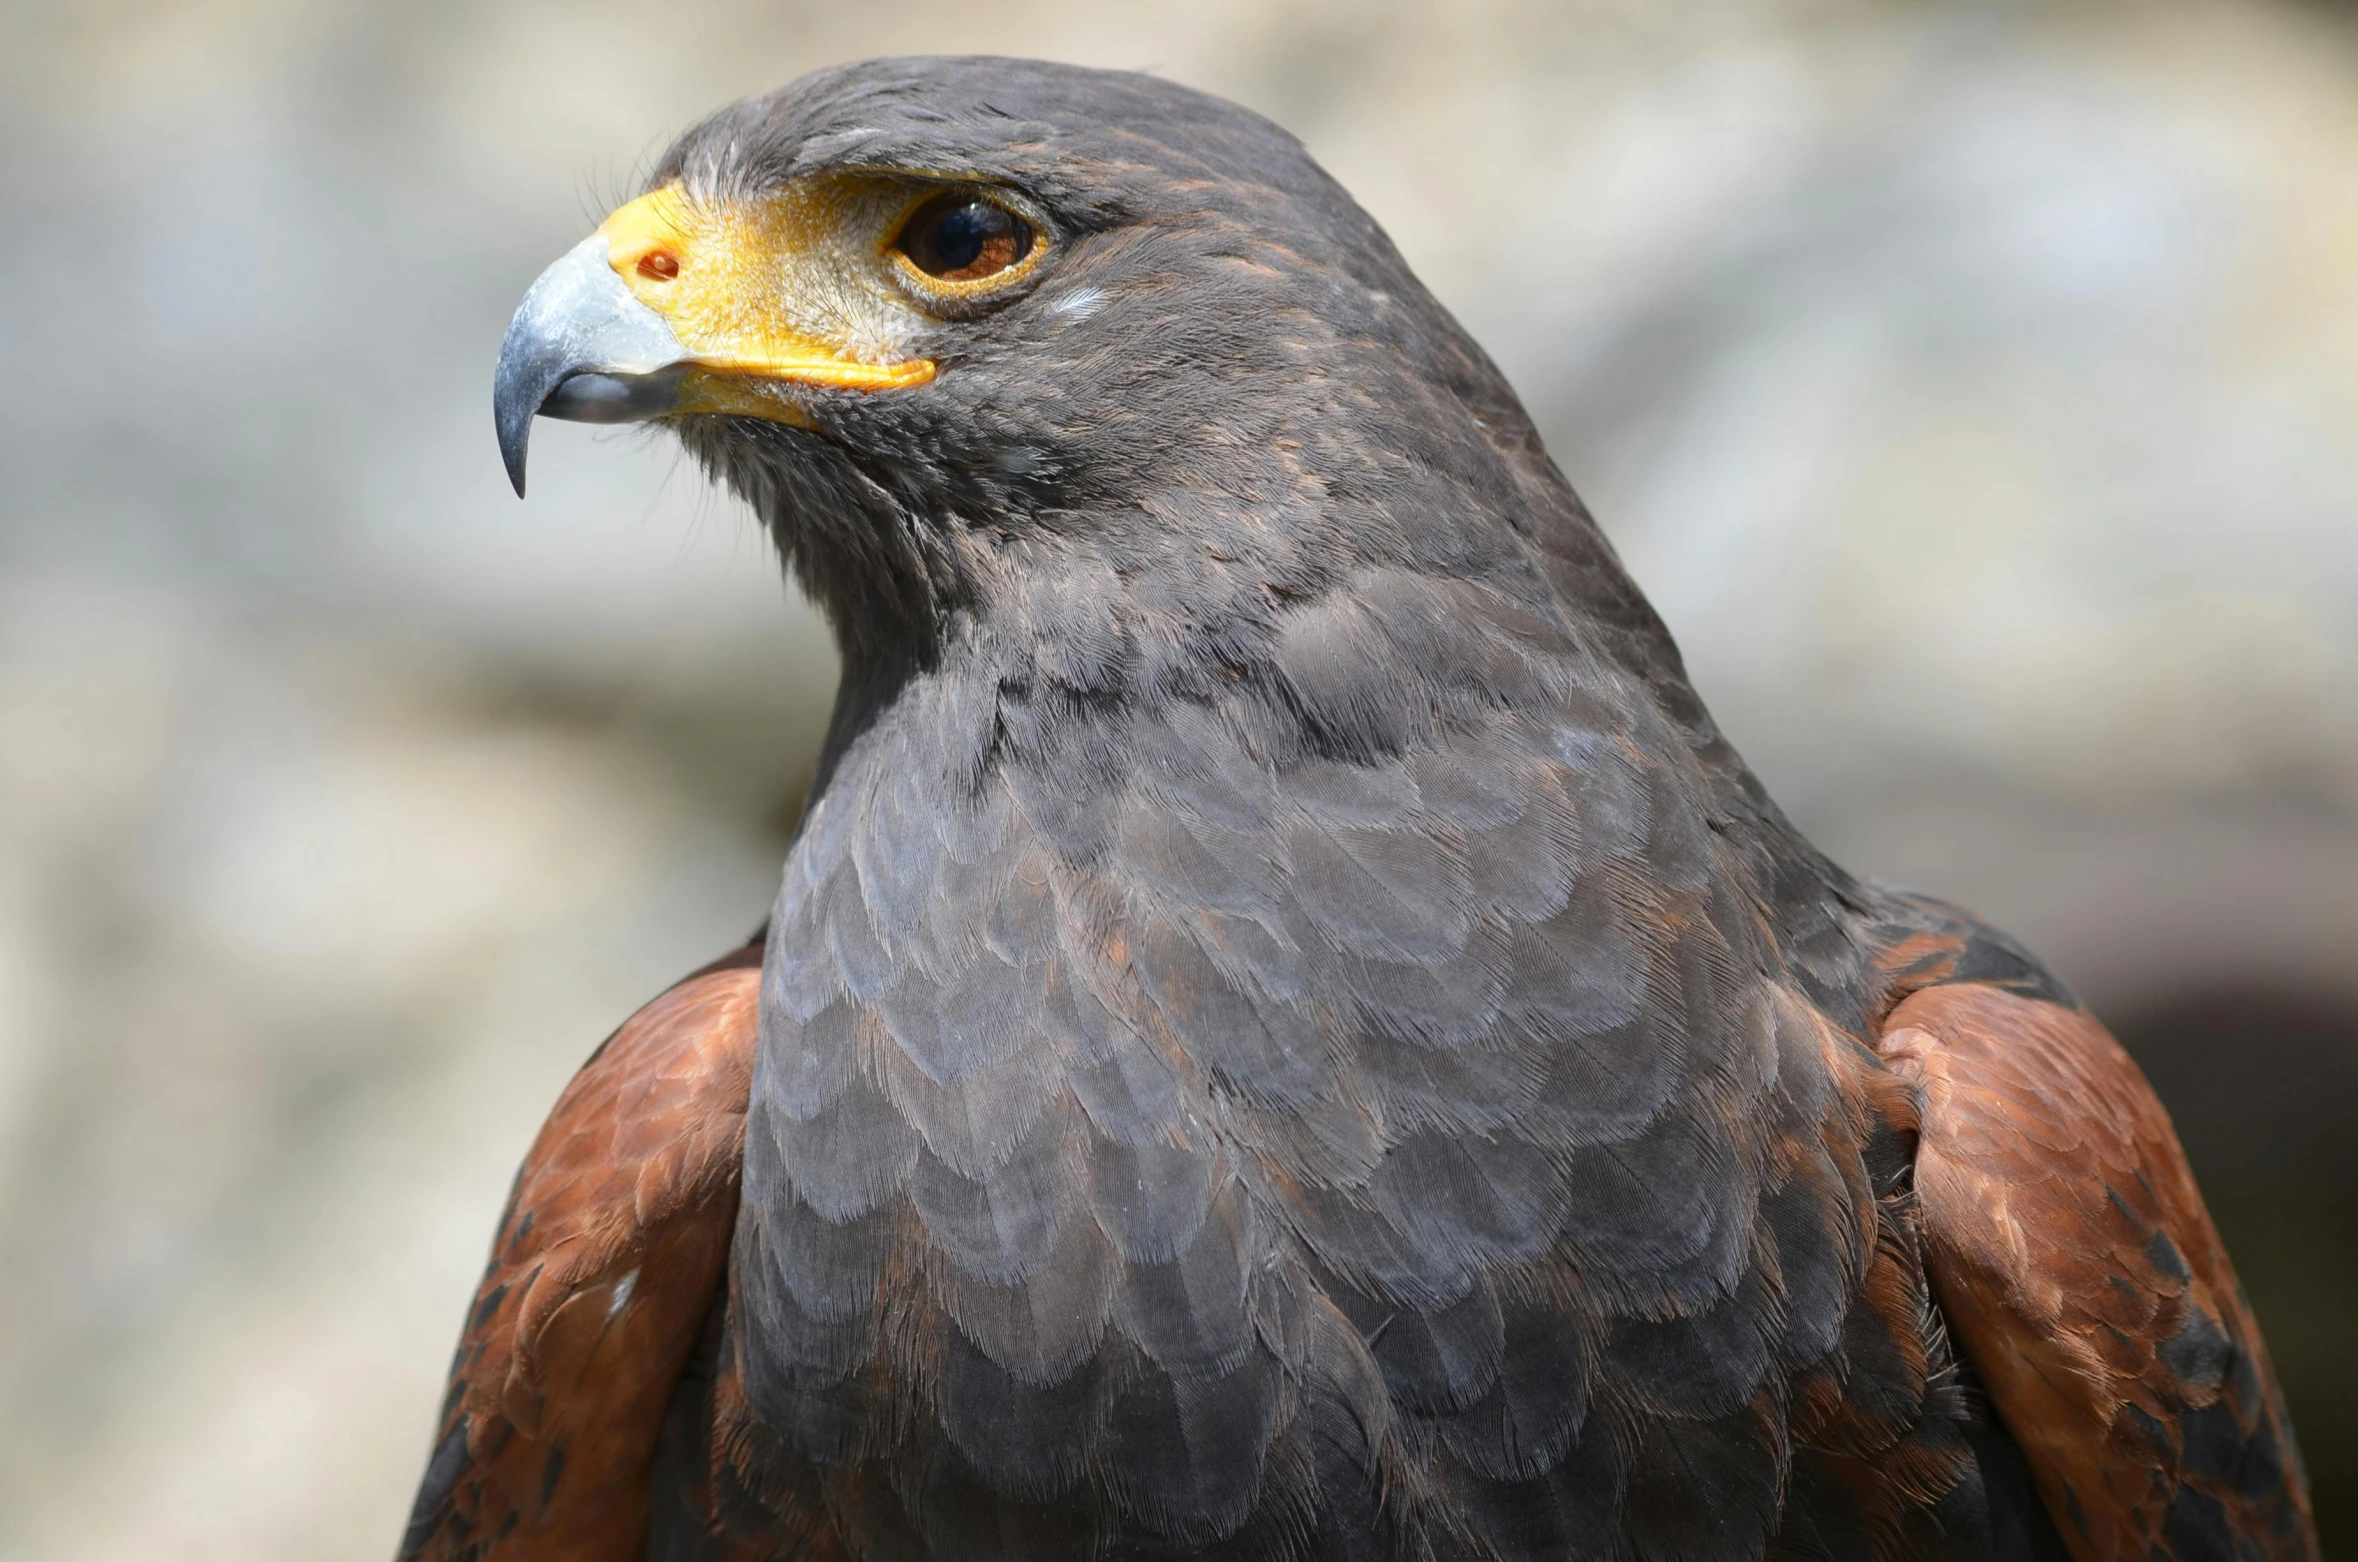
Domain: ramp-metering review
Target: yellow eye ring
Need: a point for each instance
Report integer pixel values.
(963, 243)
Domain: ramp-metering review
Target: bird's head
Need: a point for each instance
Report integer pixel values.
(946, 322)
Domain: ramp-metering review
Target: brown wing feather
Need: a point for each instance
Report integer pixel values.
(2080, 1272)
(602, 1272)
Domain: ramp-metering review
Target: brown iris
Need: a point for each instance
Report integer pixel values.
(960, 237)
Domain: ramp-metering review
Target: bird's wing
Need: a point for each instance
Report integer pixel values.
(2082, 1277)
(602, 1272)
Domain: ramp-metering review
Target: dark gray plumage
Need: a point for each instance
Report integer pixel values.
(1287, 1032)
(1253, 768)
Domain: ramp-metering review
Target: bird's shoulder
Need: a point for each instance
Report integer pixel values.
(2076, 1265)
(603, 1269)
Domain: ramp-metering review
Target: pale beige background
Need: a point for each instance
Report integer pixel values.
(1974, 386)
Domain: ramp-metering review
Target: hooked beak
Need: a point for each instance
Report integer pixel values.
(673, 308)
(582, 348)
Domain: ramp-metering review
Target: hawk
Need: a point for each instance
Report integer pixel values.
(1287, 1032)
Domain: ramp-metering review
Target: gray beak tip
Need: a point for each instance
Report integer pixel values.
(527, 372)
(513, 419)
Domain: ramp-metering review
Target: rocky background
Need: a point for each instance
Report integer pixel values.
(1975, 387)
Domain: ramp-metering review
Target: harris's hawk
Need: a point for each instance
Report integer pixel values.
(1287, 1032)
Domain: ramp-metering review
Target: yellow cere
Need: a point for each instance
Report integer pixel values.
(767, 290)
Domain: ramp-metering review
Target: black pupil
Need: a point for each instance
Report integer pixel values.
(961, 239)
(962, 235)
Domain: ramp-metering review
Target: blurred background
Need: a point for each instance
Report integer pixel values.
(1974, 386)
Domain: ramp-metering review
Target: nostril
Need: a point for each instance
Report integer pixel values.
(659, 265)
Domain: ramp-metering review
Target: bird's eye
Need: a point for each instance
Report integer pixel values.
(959, 237)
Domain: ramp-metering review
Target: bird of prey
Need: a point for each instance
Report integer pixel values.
(1287, 1032)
